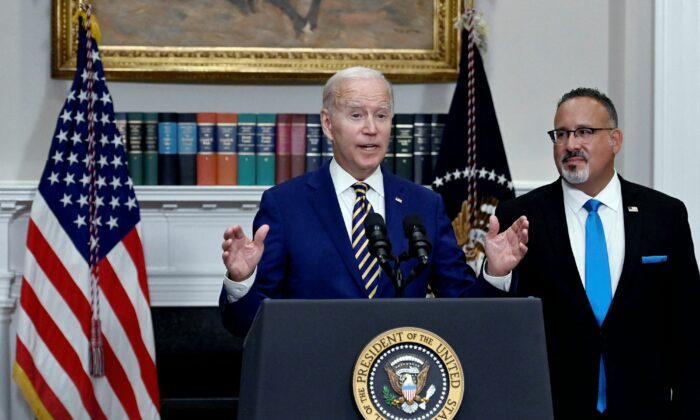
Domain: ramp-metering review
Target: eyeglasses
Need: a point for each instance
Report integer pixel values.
(584, 134)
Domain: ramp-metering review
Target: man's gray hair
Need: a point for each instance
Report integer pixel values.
(331, 89)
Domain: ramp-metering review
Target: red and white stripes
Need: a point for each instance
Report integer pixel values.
(54, 328)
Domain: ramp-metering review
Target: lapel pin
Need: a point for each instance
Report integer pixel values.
(632, 209)
(398, 199)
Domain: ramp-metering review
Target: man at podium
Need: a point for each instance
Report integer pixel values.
(312, 228)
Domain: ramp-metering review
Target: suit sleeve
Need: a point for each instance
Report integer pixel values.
(686, 319)
(481, 287)
(451, 276)
(238, 316)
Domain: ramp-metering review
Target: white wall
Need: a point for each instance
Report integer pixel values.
(537, 51)
(677, 109)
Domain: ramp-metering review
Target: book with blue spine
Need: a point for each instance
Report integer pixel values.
(187, 147)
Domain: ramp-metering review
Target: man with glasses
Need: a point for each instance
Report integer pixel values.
(614, 265)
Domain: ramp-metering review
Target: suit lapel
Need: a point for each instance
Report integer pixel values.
(564, 263)
(395, 213)
(633, 229)
(325, 204)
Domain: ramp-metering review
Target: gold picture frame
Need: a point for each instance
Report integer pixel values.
(136, 57)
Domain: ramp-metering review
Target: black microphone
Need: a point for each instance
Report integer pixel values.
(418, 243)
(379, 245)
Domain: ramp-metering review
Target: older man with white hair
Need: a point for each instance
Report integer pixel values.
(309, 240)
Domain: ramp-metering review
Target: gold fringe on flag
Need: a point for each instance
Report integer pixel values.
(96, 34)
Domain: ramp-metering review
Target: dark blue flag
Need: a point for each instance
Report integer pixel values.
(483, 163)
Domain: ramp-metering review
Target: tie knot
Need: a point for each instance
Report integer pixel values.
(360, 189)
(592, 205)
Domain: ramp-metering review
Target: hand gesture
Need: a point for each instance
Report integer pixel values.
(241, 255)
(505, 250)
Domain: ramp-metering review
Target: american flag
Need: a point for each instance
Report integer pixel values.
(84, 262)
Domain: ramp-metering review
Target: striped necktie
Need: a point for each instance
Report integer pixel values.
(369, 268)
(598, 288)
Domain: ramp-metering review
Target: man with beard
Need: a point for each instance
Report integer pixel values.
(614, 265)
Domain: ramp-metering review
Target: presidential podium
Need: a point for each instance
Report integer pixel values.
(301, 358)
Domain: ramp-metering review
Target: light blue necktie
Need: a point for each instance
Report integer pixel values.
(598, 288)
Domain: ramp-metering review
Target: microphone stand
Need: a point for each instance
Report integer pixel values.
(396, 274)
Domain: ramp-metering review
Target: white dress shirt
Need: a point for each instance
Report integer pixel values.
(345, 194)
(611, 215)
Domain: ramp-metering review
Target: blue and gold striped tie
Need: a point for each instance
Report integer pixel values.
(369, 268)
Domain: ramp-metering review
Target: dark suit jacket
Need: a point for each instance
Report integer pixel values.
(649, 338)
(308, 254)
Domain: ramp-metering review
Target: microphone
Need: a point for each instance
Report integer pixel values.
(418, 243)
(379, 245)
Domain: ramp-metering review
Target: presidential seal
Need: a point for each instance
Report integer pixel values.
(408, 373)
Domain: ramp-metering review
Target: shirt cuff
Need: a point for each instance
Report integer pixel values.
(501, 283)
(236, 290)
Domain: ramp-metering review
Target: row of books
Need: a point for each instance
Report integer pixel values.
(258, 149)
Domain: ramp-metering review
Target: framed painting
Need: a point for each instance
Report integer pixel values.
(264, 40)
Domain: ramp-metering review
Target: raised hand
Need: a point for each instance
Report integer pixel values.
(505, 250)
(241, 255)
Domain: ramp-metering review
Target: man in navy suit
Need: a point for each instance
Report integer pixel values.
(634, 354)
(305, 226)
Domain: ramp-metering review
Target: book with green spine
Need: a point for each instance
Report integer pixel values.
(246, 149)
(150, 152)
(134, 146)
(265, 150)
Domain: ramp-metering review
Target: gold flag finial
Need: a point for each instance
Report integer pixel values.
(94, 26)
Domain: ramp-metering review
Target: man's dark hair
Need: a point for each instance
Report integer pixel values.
(594, 94)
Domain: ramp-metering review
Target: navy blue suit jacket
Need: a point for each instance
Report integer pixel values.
(650, 338)
(308, 254)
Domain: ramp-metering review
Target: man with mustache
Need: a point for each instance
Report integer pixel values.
(615, 267)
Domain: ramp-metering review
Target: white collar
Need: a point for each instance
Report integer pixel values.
(610, 196)
(342, 180)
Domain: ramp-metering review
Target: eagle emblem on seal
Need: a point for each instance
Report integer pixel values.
(408, 376)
